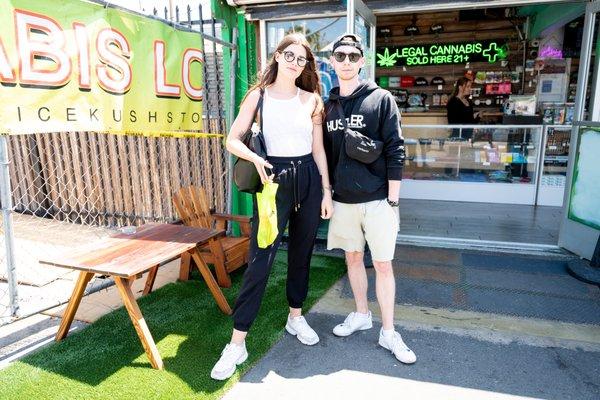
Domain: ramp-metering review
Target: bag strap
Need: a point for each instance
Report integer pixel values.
(260, 106)
(340, 110)
(258, 110)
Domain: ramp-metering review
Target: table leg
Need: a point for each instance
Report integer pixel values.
(219, 261)
(139, 323)
(184, 269)
(150, 279)
(69, 314)
(210, 281)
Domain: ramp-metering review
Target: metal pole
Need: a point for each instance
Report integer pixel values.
(594, 106)
(6, 199)
(232, 75)
(584, 66)
(350, 13)
(459, 152)
(579, 112)
(539, 162)
(217, 76)
(524, 61)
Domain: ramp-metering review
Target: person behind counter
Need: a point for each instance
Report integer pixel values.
(460, 108)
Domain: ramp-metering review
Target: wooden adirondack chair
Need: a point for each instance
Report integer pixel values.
(228, 253)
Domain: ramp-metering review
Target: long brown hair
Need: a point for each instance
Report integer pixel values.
(308, 79)
(459, 82)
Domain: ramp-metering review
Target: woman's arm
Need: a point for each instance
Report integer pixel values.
(240, 125)
(318, 151)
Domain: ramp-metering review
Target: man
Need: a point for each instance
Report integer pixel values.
(365, 196)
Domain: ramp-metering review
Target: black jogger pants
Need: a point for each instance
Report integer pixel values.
(298, 202)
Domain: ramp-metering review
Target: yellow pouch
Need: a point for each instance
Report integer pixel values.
(267, 215)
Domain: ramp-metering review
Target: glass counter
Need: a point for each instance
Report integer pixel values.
(484, 163)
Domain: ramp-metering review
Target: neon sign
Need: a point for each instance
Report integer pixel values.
(438, 54)
(551, 52)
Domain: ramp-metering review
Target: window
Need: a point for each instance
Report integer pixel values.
(320, 33)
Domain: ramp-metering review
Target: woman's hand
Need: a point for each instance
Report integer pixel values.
(326, 205)
(260, 164)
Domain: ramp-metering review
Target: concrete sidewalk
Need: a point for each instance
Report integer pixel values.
(483, 326)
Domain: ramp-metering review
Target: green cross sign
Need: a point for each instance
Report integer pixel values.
(497, 52)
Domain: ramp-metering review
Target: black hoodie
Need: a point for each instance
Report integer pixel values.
(371, 111)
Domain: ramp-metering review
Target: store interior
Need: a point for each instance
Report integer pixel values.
(519, 77)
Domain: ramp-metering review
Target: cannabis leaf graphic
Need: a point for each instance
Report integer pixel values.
(386, 59)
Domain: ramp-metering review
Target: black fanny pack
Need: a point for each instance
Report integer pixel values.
(358, 146)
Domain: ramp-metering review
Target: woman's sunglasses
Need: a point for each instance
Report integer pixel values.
(340, 56)
(290, 57)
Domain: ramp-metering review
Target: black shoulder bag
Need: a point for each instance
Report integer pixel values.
(358, 146)
(245, 175)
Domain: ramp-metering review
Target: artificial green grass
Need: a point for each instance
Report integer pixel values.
(106, 359)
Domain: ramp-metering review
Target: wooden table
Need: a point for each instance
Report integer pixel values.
(126, 257)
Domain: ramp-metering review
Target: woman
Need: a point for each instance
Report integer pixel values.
(460, 109)
(292, 118)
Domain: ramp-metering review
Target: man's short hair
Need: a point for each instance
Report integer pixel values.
(349, 39)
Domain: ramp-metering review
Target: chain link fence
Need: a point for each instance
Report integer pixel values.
(8, 303)
(69, 188)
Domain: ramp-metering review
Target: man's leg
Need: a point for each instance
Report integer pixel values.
(385, 287)
(345, 232)
(381, 231)
(357, 276)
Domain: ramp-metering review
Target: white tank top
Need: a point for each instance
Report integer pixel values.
(287, 126)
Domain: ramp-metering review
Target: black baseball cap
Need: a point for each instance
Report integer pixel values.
(348, 39)
(438, 80)
(421, 81)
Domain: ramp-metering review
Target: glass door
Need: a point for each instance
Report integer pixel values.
(580, 226)
(362, 22)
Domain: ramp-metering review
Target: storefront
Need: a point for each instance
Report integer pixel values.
(523, 58)
(418, 54)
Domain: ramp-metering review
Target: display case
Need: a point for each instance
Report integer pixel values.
(478, 163)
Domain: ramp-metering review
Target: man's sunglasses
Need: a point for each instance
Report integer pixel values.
(341, 56)
(290, 57)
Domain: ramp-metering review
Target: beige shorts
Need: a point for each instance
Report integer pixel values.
(376, 223)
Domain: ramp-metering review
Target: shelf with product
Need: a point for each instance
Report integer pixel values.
(556, 156)
(431, 94)
(551, 190)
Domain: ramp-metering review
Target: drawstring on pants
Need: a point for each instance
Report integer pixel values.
(295, 172)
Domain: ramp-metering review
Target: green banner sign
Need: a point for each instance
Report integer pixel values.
(69, 65)
(439, 54)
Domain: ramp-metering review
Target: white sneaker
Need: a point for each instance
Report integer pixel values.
(354, 322)
(298, 327)
(396, 345)
(231, 356)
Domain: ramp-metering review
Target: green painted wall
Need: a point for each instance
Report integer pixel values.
(245, 73)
